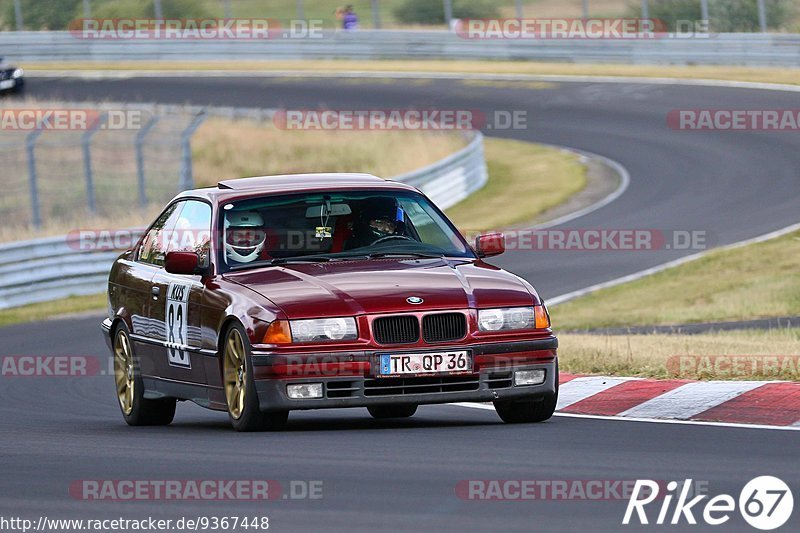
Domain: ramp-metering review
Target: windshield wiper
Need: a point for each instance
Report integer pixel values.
(422, 255)
(282, 261)
(300, 259)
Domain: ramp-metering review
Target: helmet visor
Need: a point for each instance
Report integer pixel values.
(244, 238)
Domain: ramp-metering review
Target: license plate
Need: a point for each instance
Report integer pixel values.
(7, 84)
(425, 363)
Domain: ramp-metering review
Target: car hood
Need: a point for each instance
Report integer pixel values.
(346, 288)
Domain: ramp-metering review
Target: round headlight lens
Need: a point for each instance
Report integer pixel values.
(17, 73)
(518, 318)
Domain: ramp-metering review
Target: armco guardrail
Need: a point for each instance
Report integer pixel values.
(755, 49)
(56, 267)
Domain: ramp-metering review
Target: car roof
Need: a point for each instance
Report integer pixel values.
(292, 183)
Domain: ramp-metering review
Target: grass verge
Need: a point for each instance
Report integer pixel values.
(755, 281)
(729, 73)
(681, 356)
(45, 310)
(226, 149)
(525, 180)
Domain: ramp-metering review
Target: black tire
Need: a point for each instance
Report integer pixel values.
(251, 417)
(142, 411)
(392, 411)
(528, 410)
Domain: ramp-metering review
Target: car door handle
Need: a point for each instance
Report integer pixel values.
(156, 291)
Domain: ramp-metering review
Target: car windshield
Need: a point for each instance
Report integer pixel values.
(335, 226)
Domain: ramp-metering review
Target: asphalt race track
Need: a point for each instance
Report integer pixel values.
(402, 476)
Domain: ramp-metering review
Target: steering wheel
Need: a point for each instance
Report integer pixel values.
(391, 237)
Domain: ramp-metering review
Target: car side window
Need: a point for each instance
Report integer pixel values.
(153, 250)
(192, 232)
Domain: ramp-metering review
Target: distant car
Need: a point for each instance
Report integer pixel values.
(11, 77)
(266, 295)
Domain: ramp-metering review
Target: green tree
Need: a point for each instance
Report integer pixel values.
(49, 15)
(725, 15)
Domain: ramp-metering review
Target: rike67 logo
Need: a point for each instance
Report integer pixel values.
(765, 502)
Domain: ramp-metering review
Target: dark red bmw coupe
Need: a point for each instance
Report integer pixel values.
(272, 294)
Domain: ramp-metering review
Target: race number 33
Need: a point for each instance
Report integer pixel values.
(177, 329)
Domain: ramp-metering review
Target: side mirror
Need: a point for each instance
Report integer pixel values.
(489, 244)
(185, 263)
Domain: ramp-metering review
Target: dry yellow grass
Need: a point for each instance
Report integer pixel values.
(525, 180)
(45, 310)
(753, 74)
(225, 149)
(649, 355)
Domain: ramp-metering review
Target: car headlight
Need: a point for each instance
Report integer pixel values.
(324, 329)
(17, 73)
(513, 318)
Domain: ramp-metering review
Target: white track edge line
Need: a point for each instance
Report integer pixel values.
(624, 182)
(669, 264)
(649, 420)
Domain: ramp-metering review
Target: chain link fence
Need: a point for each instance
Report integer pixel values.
(66, 162)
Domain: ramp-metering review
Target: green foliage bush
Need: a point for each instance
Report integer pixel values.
(725, 15)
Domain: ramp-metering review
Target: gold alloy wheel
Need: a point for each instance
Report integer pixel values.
(123, 371)
(235, 373)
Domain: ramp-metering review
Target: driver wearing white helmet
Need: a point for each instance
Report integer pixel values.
(244, 236)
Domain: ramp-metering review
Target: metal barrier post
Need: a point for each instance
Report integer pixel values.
(645, 10)
(762, 16)
(87, 9)
(187, 180)
(376, 14)
(139, 148)
(227, 9)
(448, 12)
(86, 143)
(30, 146)
(18, 15)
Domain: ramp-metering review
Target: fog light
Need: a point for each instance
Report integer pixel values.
(529, 377)
(305, 391)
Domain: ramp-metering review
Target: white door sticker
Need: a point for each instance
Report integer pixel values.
(177, 328)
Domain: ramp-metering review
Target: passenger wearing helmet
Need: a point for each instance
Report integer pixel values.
(379, 218)
(244, 236)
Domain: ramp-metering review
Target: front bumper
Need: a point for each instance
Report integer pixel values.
(11, 84)
(492, 379)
